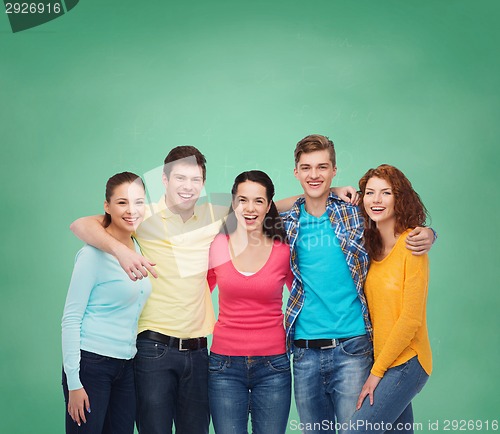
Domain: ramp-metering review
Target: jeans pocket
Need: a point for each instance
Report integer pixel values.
(298, 353)
(216, 363)
(279, 363)
(358, 346)
(89, 357)
(149, 349)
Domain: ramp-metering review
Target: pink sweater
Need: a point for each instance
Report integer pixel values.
(250, 319)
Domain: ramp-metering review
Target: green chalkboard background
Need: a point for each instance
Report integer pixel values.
(112, 86)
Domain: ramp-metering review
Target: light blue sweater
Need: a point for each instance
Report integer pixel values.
(101, 312)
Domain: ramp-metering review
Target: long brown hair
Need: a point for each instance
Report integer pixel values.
(273, 225)
(409, 210)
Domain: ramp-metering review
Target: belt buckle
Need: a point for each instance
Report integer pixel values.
(180, 344)
(327, 347)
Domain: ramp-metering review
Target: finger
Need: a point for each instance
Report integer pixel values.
(131, 275)
(419, 252)
(87, 404)
(416, 244)
(150, 267)
(416, 239)
(371, 397)
(415, 231)
(81, 413)
(357, 199)
(361, 398)
(71, 413)
(136, 273)
(141, 271)
(75, 416)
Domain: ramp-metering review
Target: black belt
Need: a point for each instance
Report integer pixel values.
(179, 343)
(322, 344)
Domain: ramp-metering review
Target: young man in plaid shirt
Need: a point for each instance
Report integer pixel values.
(327, 323)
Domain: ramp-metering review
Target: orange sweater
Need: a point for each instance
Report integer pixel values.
(396, 291)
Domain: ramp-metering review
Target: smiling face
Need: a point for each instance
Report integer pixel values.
(378, 201)
(250, 205)
(315, 172)
(183, 187)
(126, 206)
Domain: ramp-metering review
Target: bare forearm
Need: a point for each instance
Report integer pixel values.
(90, 230)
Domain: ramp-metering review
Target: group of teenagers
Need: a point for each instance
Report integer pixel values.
(139, 306)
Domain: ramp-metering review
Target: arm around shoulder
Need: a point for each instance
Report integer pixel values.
(420, 240)
(91, 231)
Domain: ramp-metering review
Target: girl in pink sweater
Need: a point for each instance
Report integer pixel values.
(249, 372)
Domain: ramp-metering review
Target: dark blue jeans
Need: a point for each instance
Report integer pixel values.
(239, 386)
(109, 384)
(171, 387)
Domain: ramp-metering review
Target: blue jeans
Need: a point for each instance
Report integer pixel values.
(109, 384)
(172, 387)
(391, 410)
(239, 386)
(327, 382)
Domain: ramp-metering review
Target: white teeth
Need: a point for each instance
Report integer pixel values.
(377, 209)
(250, 217)
(186, 196)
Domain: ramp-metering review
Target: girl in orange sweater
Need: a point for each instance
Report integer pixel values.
(396, 291)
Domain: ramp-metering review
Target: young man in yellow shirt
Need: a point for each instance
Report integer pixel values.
(171, 365)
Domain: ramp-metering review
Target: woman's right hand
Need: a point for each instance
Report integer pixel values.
(77, 404)
(368, 389)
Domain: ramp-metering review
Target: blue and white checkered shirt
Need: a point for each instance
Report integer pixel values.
(348, 225)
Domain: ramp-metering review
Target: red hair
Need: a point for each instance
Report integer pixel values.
(409, 210)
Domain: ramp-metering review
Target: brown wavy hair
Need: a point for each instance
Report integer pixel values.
(409, 210)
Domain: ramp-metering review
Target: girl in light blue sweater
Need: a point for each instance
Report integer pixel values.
(99, 323)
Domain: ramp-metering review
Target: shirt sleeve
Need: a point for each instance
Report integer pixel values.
(82, 282)
(212, 279)
(289, 279)
(412, 313)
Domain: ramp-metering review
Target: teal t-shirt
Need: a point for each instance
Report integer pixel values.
(331, 307)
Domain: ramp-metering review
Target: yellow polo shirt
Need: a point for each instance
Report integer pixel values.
(180, 304)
